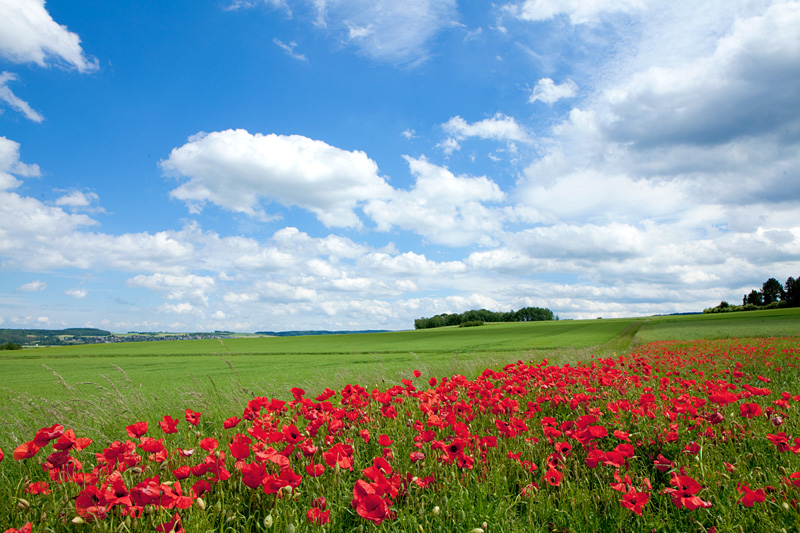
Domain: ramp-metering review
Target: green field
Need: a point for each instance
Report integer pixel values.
(171, 375)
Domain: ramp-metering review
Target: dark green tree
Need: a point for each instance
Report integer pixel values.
(772, 291)
(754, 298)
(792, 292)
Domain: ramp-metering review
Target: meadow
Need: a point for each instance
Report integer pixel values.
(649, 424)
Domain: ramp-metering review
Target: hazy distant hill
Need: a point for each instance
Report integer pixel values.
(49, 336)
(316, 332)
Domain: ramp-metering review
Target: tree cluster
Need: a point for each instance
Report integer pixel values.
(526, 314)
(771, 296)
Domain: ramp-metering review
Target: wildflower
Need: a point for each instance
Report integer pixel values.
(317, 516)
(684, 495)
(26, 450)
(172, 526)
(662, 463)
(192, 417)
(553, 477)
(27, 528)
(136, 430)
(635, 500)
(168, 424)
(749, 497)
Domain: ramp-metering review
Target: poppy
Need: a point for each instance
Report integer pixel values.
(136, 430)
(553, 477)
(317, 516)
(172, 526)
(192, 417)
(168, 424)
(373, 508)
(26, 450)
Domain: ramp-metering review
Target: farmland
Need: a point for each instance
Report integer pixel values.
(677, 435)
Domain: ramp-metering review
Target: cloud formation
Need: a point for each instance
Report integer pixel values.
(236, 170)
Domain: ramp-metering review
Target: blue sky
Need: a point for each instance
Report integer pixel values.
(349, 164)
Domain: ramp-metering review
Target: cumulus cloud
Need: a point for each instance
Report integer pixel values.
(33, 286)
(548, 92)
(237, 170)
(444, 208)
(28, 34)
(578, 11)
(17, 103)
(10, 164)
(77, 199)
(500, 127)
(189, 287)
(77, 292)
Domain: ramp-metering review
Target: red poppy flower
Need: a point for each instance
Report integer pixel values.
(635, 501)
(749, 497)
(554, 477)
(2, 455)
(750, 410)
(209, 444)
(416, 456)
(231, 422)
(26, 450)
(373, 508)
(253, 474)
(168, 424)
(240, 447)
(173, 526)
(364, 434)
(45, 435)
(192, 417)
(662, 463)
(315, 469)
(385, 440)
(136, 429)
(417, 373)
(317, 516)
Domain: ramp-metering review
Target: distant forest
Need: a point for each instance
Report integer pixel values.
(772, 295)
(526, 314)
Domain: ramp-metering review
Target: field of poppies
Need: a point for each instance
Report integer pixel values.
(673, 436)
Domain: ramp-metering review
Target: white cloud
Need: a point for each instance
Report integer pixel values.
(578, 11)
(394, 31)
(28, 34)
(444, 208)
(10, 164)
(236, 170)
(289, 48)
(7, 96)
(189, 287)
(548, 92)
(500, 127)
(77, 292)
(33, 286)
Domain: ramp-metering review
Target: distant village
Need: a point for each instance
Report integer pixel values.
(11, 338)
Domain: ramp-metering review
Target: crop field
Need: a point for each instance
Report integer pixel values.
(647, 424)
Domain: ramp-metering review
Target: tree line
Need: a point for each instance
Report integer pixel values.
(526, 314)
(772, 295)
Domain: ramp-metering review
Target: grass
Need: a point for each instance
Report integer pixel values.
(660, 389)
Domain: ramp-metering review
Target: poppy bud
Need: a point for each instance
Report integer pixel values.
(485, 526)
(218, 507)
(436, 510)
(268, 521)
(23, 504)
(476, 530)
(136, 470)
(197, 434)
(786, 506)
(201, 503)
(290, 528)
(78, 521)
